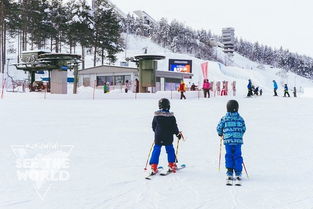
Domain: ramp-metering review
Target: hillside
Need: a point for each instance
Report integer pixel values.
(240, 70)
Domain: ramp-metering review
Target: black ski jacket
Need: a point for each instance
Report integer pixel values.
(164, 126)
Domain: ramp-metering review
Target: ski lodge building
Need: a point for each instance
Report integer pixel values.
(116, 77)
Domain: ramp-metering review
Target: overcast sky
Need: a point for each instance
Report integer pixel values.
(287, 23)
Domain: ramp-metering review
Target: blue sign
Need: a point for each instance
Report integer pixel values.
(45, 79)
(64, 68)
(182, 66)
(69, 79)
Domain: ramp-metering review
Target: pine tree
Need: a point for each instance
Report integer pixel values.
(82, 26)
(128, 24)
(100, 22)
(6, 23)
(114, 41)
(71, 33)
(4, 6)
(161, 33)
(37, 31)
(57, 28)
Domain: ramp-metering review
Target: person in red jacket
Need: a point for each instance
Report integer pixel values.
(206, 88)
(182, 89)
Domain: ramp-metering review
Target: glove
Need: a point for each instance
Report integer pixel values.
(179, 136)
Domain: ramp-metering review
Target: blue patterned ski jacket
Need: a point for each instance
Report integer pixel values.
(232, 127)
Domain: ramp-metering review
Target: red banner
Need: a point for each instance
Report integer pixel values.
(204, 67)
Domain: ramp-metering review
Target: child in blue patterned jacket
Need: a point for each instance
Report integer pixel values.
(231, 128)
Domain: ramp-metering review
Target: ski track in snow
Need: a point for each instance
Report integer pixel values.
(13, 203)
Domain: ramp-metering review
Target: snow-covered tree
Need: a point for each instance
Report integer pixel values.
(81, 25)
(106, 32)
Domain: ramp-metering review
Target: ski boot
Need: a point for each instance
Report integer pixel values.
(238, 181)
(172, 167)
(229, 179)
(237, 178)
(154, 169)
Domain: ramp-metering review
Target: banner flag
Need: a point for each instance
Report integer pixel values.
(204, 67)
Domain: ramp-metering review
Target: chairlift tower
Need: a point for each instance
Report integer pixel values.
(56, 64)
(147, 65)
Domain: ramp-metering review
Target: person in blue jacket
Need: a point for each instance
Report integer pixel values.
(164, 126)
(249, 86)
(232, 127)
(275, 88)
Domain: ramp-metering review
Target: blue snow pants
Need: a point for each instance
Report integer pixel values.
(156, 154)
(233, 159)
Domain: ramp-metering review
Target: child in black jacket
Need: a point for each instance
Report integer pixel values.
(164, 126)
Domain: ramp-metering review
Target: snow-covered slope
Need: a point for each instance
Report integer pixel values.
(112, 138)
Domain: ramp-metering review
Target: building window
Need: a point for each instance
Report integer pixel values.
(109, 79)
(119, 79)
(127, 77)
(100, 80)
(113, 80)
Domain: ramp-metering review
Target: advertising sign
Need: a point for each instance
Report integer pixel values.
(182, 66)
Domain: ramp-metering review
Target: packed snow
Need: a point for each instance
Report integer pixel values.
(112, 138)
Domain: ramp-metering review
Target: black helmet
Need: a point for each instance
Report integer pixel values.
(232, 106)
(164, 104)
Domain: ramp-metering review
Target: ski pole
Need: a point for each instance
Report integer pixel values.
(176, 154)
(220, 154)
(149, 156)
(244, 166)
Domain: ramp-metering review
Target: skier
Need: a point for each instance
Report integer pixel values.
(256, 91)
(164, 126)
(275, 88)
(294, 91)
(182, 89)
(137, 85)
(127, 86)
(206, 88)
(106, 87)
(249, 86)
(232, 127)
(252, 89)
(286, 92)
(234, 88)
(193, 87)
(218, 88)
(224, 88)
